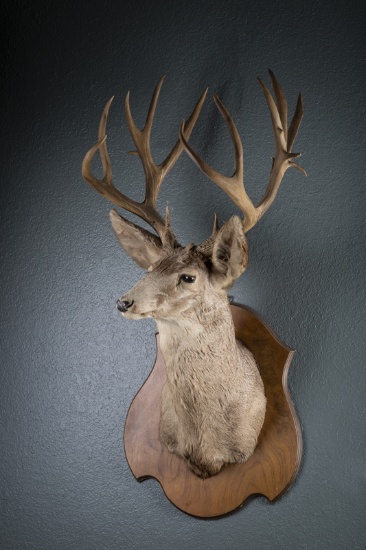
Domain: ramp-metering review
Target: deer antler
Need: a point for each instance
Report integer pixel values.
(154, 173)
(284, 139)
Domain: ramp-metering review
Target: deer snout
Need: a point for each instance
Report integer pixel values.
(124, 305)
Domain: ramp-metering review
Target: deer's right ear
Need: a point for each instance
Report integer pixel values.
(229, 253)
(143, 247)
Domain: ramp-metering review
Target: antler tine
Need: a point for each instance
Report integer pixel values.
(105, 185)
(284, 138)
(141, 139)
(104, 156)
(281, 102)
(154, 173)
(233, 185)
(278, 128)
(281, 105)
(295, 123)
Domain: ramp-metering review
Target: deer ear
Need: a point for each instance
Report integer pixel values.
(229, 253)
(143, 247)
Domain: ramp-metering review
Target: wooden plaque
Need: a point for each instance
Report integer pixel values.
(276, 459)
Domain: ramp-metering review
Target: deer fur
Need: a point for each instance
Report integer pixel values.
(213, 402)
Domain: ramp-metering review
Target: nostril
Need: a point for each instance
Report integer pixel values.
(124, 305)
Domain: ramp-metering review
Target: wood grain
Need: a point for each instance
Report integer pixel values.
(276, 459)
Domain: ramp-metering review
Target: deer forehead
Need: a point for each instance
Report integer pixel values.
(178, 262)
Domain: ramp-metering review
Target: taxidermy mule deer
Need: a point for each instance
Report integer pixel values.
(213, 403)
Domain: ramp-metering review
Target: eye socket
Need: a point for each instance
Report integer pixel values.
(187, 278)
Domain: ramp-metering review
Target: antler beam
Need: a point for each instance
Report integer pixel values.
(284, 139)
(154, 173)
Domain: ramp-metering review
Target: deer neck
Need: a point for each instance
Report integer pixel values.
(206, 333)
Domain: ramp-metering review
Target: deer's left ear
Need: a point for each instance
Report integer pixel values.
(229, 253)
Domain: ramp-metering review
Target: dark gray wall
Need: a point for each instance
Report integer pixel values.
(70, 365)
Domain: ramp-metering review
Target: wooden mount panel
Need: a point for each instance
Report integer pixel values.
(276, 459)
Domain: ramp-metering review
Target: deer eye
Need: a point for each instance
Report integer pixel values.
(187, 278)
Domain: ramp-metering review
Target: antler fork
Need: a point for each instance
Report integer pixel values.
(284, 139)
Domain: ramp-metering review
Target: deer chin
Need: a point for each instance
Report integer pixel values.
(135, 315)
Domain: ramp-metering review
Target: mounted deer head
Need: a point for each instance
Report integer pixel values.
(213, 403)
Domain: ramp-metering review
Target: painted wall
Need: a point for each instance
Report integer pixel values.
(70, 365)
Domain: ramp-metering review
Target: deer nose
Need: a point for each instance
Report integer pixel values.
(124, 305)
